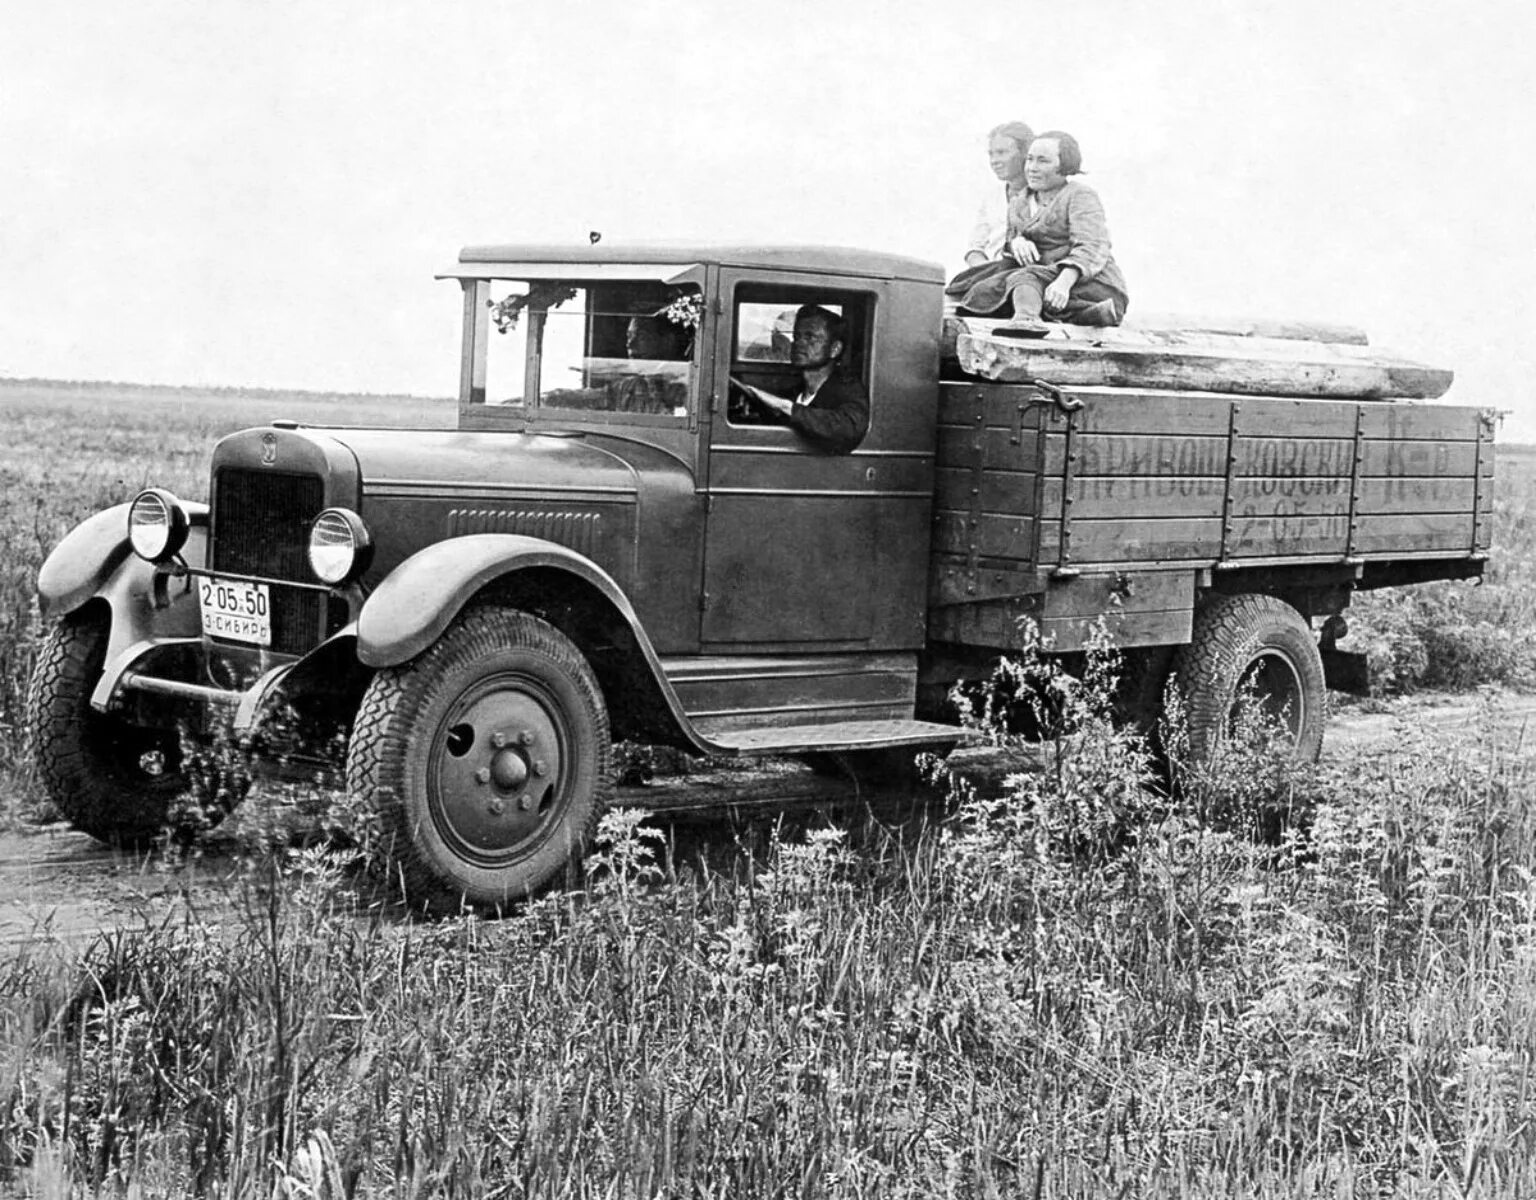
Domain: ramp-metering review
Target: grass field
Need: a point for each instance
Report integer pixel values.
(1074, 992)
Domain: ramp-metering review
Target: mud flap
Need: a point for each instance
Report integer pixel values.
(1346, 671)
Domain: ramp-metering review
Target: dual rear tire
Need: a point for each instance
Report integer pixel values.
(1256, 643)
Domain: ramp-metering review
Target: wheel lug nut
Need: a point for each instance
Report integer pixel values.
(525, 738)
(540, 767)
(498, 739)
(483, 775)
(525, 801)
(497, 806)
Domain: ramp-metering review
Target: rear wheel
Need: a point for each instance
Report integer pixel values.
(487, 758)
(1258, 642)
(111, 779)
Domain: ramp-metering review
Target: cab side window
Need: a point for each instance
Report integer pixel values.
(762, 331)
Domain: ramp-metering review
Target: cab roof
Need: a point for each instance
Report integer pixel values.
(823, 260)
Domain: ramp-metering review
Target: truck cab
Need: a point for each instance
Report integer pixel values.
(756, 545)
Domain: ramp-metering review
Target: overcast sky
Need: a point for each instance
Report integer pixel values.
(259, 194)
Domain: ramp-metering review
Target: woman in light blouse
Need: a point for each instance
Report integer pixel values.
(1007, 144)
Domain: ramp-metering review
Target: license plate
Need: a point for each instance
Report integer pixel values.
(240, 612)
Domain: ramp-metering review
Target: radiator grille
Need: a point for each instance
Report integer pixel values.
(261, 527)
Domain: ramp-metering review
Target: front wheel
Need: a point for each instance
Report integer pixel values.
(487, 758)
(111, 779)
(1252, 642)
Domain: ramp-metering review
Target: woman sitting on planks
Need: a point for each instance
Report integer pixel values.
(1007, 145)
(1057, 260)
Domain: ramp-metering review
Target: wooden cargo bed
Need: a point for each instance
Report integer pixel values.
(1040, 500)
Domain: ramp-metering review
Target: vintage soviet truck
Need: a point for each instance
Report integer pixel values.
(609, 546)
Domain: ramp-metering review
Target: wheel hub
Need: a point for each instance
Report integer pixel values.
(509, 769)
(496, 771)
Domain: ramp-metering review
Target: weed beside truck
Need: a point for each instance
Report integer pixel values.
(609, 546)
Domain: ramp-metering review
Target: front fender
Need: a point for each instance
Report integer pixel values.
(81, 566)
(412, 607)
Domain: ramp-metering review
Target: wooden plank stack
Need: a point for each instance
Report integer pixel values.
(1235, 357)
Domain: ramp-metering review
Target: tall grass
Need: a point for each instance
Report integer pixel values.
(1071, 989)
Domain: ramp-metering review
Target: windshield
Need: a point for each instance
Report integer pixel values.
(622, 346)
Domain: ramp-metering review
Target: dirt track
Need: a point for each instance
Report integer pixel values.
(56, 883)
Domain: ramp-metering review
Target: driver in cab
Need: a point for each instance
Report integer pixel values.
(831, 411)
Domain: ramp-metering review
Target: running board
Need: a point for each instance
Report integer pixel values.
(840, 735)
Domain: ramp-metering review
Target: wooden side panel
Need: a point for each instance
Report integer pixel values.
(1108, 497)
(1144, 608)
(1422, 422)
(1127, 629)
(990, 535)
(1407, 494)
(1414, 533)
(995, 492)
(1148, 608)
(1149, 454)
(1136, 541)
(987, 481)
(1143, 478)
(1137, 479)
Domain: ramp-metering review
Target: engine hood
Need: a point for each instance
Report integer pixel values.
(452, 462)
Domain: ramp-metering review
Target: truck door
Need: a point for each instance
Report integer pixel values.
(790, 542)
